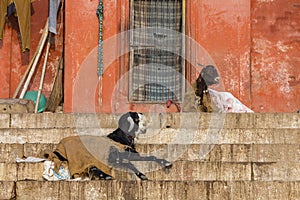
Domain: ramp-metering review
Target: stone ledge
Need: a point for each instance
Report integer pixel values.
(5, 121)
(181, 171)
(173, 120)
(210, 153)
(16, 106)
(163, 136)
(158, 190)
(8, 190)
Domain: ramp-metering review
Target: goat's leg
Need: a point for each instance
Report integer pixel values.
(130, 166)
(137, 157)
(121, 159)
(163, 162)
(95, 173)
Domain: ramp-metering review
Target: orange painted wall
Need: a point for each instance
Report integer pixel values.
(275, 55)
(222, 28)
(254, 44)
(14, 62)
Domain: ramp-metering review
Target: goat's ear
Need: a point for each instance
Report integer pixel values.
(131, 123)
(124, 123)
(201, 73)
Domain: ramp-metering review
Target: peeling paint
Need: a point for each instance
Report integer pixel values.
(261, 45)
(265, 1)
(283, 78)
(282, 47)
(224, 30)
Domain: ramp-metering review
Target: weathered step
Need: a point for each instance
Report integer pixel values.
(16, 106)
(156, 120)
(158, 190)
(193, 152)
(181, 170)
(161, 136)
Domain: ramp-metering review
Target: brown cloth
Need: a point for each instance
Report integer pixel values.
(84, 152)
(23, 9)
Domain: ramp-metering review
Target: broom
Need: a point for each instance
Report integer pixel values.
(56, 95)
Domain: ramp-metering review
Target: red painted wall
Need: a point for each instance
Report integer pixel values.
(14, 62)
(222, 28)
(275, 55)
(254, 44)
(82, 91)
(217, 27)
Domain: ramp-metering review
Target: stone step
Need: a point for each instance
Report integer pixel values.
(16, 106)
(180, 171)
(216, 156)
(156, 120)
(160, 136)
(158, 190)
(193, 152)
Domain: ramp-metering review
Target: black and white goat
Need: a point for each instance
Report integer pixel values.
(130, 126)
(97, 155)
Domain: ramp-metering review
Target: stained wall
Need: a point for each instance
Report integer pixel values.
(14, 62)
(254, 44)
(275, 55)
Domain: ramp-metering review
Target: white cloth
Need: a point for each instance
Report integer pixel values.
(30, 159)
(227, 103)
(50, 175)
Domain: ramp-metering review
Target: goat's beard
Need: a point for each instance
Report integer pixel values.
(142, 129)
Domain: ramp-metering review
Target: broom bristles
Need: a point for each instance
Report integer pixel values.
(56, 95)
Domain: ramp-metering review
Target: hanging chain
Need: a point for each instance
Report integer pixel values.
(100, 16)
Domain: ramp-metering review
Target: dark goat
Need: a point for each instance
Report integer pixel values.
(208, 76)
(199, 98)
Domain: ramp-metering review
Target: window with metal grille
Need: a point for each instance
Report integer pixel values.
(156, 45)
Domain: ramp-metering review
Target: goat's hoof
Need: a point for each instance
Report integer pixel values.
(108, 178)
(143, 177)
(166, 163)
(96, 174)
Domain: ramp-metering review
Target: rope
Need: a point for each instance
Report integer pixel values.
(100, 16)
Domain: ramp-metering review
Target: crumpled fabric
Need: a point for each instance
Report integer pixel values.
(49, 173)
(227, 103)
(30, 159)
(23, 9)
(83, 152)
(53, 9)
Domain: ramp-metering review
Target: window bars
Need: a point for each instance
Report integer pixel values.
(156, 70)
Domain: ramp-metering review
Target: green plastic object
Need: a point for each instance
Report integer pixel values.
(32, 95)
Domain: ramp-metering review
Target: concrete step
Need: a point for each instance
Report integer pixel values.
(181, 170)
(158, 190)
(156, 120)
(193, 152)
(216, 156)
(160, 136)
